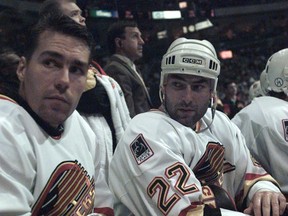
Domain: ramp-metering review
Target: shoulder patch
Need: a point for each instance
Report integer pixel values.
(140, 149)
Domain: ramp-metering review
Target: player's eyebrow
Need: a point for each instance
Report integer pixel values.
(59, 56)
(198, 79)
(53, 54)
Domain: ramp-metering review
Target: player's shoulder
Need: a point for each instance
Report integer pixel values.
(75, 119)
(9, 108)
(265, 102)
(155, 124)
(215, 115)
(220, 121)
(152, 117)
(14, 118)
(76, 123)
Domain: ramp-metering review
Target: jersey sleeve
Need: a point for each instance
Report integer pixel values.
(15, 187)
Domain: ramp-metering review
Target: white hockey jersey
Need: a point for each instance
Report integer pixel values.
(161, 167)
(264, 123)
(44, 175)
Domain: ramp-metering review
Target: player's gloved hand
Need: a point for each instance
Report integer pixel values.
(266, 203)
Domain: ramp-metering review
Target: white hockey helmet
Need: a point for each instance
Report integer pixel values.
(276, 72)
(193, 57)
(255, 90)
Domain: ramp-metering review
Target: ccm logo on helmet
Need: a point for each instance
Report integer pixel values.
(192, 61)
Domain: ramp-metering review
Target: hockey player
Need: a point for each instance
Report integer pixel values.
(264, 122)
(103, 103)
(49, 160)
(185, 158)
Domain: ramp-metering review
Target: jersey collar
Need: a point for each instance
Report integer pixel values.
(53, 132)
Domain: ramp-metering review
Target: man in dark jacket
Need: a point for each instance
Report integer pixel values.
(126, 45)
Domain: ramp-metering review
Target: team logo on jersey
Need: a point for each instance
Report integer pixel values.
(69, 191)
(209, 169)
(140, 149)
(285, 128)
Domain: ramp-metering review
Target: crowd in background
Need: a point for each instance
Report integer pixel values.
(251, 46)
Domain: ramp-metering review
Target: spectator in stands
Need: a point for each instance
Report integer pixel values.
(231, 104)
(126, 44)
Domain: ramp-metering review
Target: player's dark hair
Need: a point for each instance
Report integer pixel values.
(53, 6)
(117, 30)
(57, 23)
(280, 95)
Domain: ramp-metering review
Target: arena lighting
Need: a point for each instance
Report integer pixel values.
(226, 54)
(173, 14)
(203, 25)
(103, 13)
(182, 4)
(162, 34)
(198, 26)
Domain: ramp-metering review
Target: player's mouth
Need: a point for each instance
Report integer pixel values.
(58, 98)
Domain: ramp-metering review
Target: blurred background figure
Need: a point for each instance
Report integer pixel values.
(14, 27)
(231, 103)
(9, 82)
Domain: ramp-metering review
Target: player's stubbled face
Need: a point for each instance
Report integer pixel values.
(55, 76)
(187, 98)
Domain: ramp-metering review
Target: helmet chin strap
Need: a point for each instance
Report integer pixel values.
(213, 104)
(213, 110)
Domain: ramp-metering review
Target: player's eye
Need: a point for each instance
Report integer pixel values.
(74, 14)
(77, 70)
(51, 63)
(177, 85)
(198, 87)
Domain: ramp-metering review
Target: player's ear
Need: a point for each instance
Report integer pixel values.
(21, 69)
(118, 42)
(161, 93)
